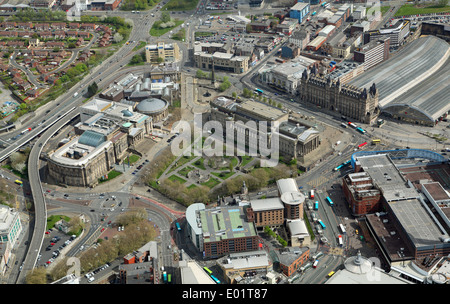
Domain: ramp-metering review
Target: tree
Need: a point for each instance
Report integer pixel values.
(92, 89)
(117, 37)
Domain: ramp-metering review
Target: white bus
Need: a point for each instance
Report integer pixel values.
(311, 194)
(342, 228)
(341, 242)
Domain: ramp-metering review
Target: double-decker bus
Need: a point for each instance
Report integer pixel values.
(329, 201)
(322, 224)
(376, 141)
(169, 278)
(316, 205)
(342, 228)
(362, 145)
(207, 270)
(178, 226)
(311, 194)
(18, 182)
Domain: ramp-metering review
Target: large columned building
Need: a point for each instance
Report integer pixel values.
(355, 103)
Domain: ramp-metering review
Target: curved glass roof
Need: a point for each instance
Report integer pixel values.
(91, 138)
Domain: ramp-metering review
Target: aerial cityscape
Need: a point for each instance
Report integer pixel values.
(224, 142)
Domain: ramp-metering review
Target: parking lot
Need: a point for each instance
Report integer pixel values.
(54, 242)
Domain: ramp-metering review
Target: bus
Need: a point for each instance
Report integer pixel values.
(341, 242)
(347, 162)
(361, 130)
(330, 274)
(178, 226)
(304, 267)
(376, 141)
(316, 205)
(18, 182)
(215, 279)
(316, 262)
(207, 270)
(352, 125)
(338, 167)
(322, 224)
(165, 276)
(329, 201)
(344, 125)
(259, 91)
(362, 145)
(342, 228)
(324, 3)
(313, 13)
(311, 194)
(169, 278)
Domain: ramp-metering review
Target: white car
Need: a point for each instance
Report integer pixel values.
(91, 279)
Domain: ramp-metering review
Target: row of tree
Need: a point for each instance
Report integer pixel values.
(138, 231)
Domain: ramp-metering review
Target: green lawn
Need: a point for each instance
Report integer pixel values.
(180, 5)
(246, 160)
(156, 31)
(140, 45)
(51, 220)
(111, 174)
(212, 182)
(133, 158)
(177, 178)
(411, 9)
(200, 163)
(185, 171)
(223, 175)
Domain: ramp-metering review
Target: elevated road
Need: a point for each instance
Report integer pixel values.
(64, 111)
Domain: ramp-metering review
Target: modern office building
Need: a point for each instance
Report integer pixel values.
(299, 11)
(167, 52)
(221, 61)
(221, 230)
(398, 33)
(373, 52)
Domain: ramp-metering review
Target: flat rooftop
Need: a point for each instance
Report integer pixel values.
(225, 223)
(386, 176)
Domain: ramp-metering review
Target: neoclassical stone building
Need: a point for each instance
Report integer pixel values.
(354, 103)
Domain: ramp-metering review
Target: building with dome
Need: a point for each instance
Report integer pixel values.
(155, 108)
(104, 136)
(361, 270)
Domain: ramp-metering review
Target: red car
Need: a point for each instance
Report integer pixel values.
(103, 229)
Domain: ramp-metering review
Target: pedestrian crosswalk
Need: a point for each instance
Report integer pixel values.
(317, 181)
